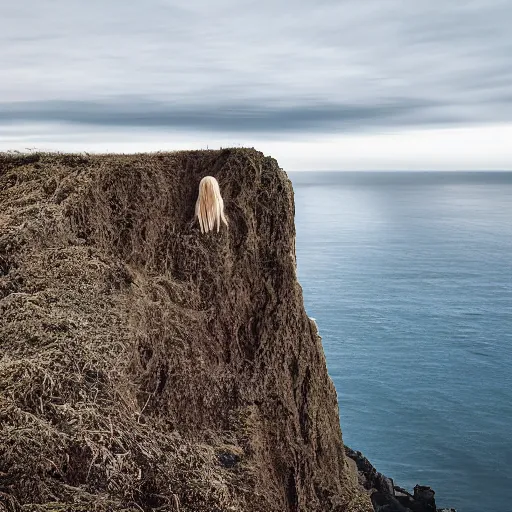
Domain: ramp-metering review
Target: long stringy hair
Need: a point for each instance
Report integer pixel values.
(210, 205)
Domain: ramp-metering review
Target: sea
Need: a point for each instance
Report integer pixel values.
(409, 278)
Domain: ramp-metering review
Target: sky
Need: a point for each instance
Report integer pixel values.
(330, 84)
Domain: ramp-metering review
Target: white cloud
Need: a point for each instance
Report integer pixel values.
(330, 84)
(485, 147)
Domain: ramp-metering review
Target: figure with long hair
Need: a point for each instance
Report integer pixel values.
(210, 205)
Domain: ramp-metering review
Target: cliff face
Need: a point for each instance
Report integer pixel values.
(144, 365)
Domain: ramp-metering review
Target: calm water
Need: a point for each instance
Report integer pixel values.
(409, 277)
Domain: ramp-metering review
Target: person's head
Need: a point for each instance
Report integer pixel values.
(210, 205)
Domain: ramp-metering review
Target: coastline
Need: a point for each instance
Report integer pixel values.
(385, 495)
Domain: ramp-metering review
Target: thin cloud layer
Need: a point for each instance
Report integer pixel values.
(227, 117)
(338, 66)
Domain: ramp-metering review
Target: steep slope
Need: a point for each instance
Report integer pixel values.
(146, 366)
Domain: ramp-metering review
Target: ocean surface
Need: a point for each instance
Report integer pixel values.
(409, 277)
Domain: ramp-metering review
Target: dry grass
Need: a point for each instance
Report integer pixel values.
(137, 356)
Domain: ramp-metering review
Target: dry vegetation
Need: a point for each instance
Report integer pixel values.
(144, 366)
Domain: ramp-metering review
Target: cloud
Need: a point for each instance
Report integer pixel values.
(482, 147)
(242, 65)
(226, 117)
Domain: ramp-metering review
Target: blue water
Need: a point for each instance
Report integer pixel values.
(409, 276)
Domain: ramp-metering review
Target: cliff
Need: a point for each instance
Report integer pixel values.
(144, 366)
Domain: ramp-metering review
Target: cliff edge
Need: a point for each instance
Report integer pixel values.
(144, 366)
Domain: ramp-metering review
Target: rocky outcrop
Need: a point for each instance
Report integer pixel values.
(145, 366)
(388, 497)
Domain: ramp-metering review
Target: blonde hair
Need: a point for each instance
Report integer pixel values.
(210, 205)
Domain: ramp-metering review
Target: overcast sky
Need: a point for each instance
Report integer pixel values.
(330, 84)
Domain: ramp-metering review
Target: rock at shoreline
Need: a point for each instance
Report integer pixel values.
(388, 497)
